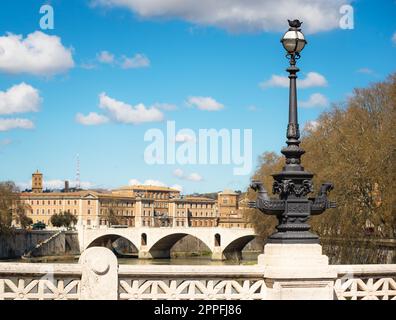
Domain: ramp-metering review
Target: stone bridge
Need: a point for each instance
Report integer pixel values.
(157, 242)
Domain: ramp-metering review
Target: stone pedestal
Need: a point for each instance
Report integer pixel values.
(99, 279)
(297, 272)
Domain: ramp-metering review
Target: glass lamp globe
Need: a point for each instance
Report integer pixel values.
(293, 41)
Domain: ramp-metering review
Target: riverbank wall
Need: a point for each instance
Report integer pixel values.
(15, 244)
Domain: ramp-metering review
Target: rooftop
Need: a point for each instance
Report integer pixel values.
(149, 188)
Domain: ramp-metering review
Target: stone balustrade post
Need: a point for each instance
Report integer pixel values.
(297, 272)
(99, 280)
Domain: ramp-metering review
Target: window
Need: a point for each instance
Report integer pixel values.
(89, 202)
(143, 240)
(88, 222)
(89, 211)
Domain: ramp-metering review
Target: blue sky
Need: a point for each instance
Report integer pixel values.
(163, 55)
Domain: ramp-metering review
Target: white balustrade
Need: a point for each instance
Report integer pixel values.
(98, 276)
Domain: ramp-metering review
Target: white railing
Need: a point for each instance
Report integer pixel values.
(191, 282)
(365, 282)
(39, 281)
(98, 276)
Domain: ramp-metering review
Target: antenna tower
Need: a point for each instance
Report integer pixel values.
(78, 184)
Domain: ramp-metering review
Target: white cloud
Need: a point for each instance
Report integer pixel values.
(137, 61)
(365, 71)
(179, 173)
(239, 15)
(253, 108)
(157, 183)
(149, 182)
(37, 54)
(88, 66)
(205, 103)
(19, 98)
(194, 177)
(313, 79)
(177, 187)
(60, 184)
(91, 119)
(165, 106)
(311, 125)
(124, 113)
(105, 57)
(394, 38)
(17, 123)
(315, 100)
(134, 182)
(5, 142)
(56, 184)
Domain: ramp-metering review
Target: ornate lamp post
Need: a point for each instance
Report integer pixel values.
(293, 183)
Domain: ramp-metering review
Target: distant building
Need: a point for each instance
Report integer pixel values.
(230, 212)
(133, 206)
(37, 182)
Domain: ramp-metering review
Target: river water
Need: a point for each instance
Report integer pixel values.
(198, 260)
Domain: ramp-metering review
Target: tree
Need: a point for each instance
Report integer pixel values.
(8, 200)
(269, 163)
(65, 219)
(352, 145)
(57, 220)
(69, 219)
(23, 220)
(11, 207)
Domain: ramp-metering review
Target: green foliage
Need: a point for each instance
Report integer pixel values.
(65, 219)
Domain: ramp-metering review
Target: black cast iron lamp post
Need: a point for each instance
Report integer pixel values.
(293, 183)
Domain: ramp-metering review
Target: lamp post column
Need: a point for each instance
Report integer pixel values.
(294, 266)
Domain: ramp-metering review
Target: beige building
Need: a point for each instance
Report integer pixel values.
(231, 209)
(133, 206)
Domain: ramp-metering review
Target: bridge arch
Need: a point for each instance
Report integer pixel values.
(161, 248)
(235, 247)
(108, 240)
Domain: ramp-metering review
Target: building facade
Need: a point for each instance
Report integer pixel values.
(133, 206)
